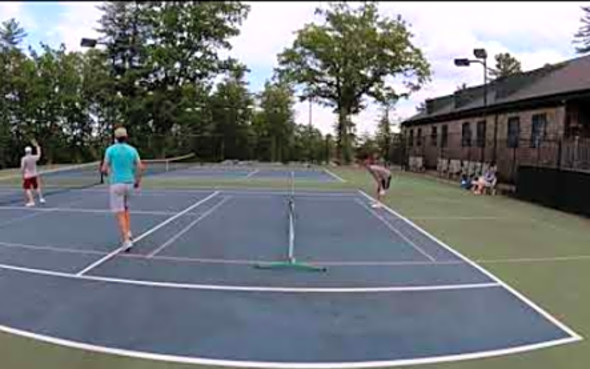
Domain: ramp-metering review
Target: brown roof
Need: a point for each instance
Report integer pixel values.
(572, 76)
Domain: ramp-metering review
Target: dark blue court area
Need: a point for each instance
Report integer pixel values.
(220, 172)
(190, 290)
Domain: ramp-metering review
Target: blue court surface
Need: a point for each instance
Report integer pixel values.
(220, 172)
(190, 290)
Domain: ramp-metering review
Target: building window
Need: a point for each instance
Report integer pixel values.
(466, 135)
(481, 133)
(444, 135)
(538, 129)
(433, 135)
(411, 138)
(419, 137)
(513, 131)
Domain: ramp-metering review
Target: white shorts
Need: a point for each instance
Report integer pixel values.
(119, 196)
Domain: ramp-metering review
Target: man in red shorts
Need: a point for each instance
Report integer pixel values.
(28, 166)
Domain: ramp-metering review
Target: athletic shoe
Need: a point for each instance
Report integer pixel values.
(127, 246)
(30, 204)
(376, 205)
(42, 200)
(382, 192)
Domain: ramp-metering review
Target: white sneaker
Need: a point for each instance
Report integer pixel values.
(30, 204)
(42, 200)
(376, 205)
(127, 246)
(382, 192)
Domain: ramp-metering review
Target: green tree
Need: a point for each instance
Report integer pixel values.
(350, 57)
(231, 108)
(506, 65)
(461, 87)
(582, 37)
(11, 34)
(384, 135)
(278, 119)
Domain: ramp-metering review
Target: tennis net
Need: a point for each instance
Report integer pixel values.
(52, 181)
(157, 166)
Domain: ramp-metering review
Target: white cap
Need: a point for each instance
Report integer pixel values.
(120, 132)
(28, 149)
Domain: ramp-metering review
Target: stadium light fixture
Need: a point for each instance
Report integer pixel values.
(88, 42)
(462, 62)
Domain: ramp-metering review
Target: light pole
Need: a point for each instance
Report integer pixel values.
(481, 57)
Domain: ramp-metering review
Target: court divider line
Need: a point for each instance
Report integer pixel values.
(334, 175)
(239, 191)
(187, 228)
(394, 230)
(147, 233)
(574, 335)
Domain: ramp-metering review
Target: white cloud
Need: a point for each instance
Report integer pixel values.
(15, 9)
(79, 19)
(534, 32)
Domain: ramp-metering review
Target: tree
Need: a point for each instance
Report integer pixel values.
(278, 119)
(582, 37)
(461, 87)
(352, 56)
(231, 108)
(11, 34)
(421, 108)
(384, 136)
(506, 65)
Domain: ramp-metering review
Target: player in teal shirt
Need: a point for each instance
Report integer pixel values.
(124, 167)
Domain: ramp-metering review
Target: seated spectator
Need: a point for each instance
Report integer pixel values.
(487, 181)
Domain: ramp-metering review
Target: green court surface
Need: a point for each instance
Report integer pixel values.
(543, 253)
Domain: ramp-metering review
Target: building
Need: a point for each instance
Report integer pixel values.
(540, 118)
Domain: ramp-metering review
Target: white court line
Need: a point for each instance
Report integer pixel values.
(50, 248)
(329, 172)
(147, 233)
(278, 365)
(575, 336)
(187, 228)
(420, 217)
(82, 210)
(233, 288)
(237, 191)
(252, 173)
(394, 230)
(336, 263)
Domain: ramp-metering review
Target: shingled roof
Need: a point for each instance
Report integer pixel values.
(569, 77)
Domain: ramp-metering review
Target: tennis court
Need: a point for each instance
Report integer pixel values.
(199, 286)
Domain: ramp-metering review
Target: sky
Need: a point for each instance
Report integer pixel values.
(535, 33)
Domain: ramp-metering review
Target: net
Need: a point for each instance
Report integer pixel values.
(158, 166)
(291, 210)
(52, 181)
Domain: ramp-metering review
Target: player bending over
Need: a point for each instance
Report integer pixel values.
(382, 176)
(28, 166)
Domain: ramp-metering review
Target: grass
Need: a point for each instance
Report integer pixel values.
(516, 241)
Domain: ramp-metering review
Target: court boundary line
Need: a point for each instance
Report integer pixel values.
(187, 228)
(71, 344)
(146, 233)
(83, 210)
(394, 230)
(253, 172)
(334, 175)
(235, 288)
(574, 335)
